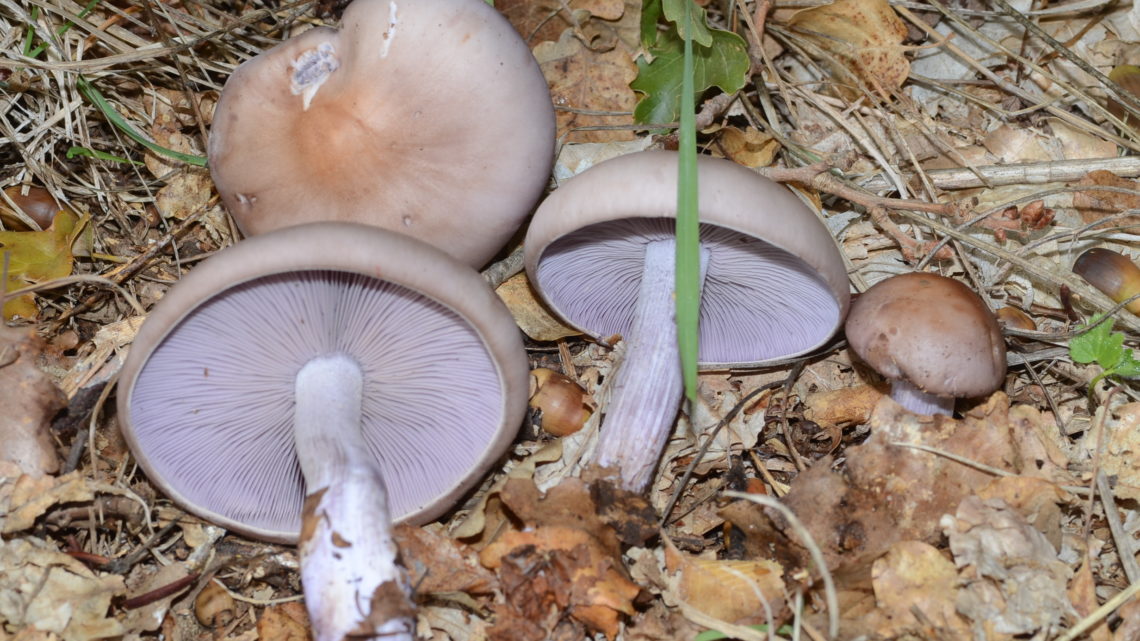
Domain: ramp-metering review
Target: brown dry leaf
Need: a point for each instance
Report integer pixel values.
(1082, 593)
(439, 564)
(26, 499)
(585, 80)
(913, 575)
(562, 566)
(843, 406)
(891, 493)
(38, 256)
(1121, 454)
(53, 592)
(865, 34)
(530, 314)
(29, 401)
(488, 517)
(739, 592)
(566, 559)
(1011, 574)
(544, 20)
(1020, 144)
(749, 147)
(1037, 500)
(1095, 205)
(283, 622)
(185, 193)
(173, 114)
(1129, 629)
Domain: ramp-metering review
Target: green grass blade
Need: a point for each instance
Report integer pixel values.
(97, 99)
(688, 226)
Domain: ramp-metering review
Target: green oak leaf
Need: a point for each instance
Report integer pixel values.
(724, 64)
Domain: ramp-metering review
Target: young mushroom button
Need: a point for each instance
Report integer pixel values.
(426, 117)
(316, 383)
(601, 252)
(932, 337)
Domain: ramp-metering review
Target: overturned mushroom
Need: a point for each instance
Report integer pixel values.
(932, 337)
(601, 252)
(412, 113)
(316, 383)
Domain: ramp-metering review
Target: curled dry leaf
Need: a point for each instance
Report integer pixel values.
(566, 567)
(283, 622)
(439, 564)
(749, 147)
(29, 401)
(567, 558)
(843, 406)
(739, 592)
(866, 35)
(1011, 573)
(53, 592)
(530, 314)
(25, 499)
(914, 576)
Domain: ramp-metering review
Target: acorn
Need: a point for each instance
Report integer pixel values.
(1112, 273)
(214, 607)
(564, 405)
(37, 204)
(1128, 77)
(1014, 318)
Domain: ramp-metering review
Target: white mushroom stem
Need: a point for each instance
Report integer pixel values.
(909, 396)
(353, 585)
(647, 388)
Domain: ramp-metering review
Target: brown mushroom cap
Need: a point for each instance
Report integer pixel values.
(931, 331)
(206, 396)
(426, 117)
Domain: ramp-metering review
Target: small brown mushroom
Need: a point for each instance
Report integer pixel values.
(932, 336)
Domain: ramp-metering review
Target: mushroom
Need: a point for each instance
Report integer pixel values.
(932, 337)
(410, 113)
(316, 383)
(600, 250)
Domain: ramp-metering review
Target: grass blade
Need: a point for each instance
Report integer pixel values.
(688, 225)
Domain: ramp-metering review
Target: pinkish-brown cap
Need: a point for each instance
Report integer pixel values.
(775, 288)
(206, 395)
(931, 331)
(426, 117)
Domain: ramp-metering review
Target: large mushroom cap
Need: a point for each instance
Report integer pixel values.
(776, 286)
(426, 117)
(931, 331)
(206, 396)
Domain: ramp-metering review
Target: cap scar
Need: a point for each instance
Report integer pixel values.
(389, 33)
(310, 70)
